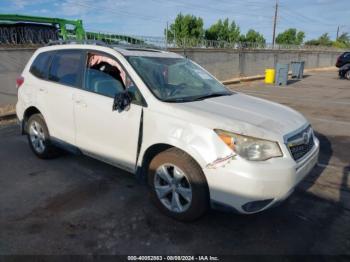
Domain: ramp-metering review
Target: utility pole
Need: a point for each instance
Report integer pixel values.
(166, 35)
(337, 33)
(274, 25)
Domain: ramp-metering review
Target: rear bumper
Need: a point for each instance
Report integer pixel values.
(240, 182)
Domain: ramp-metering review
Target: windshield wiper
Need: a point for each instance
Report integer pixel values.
(195, 98)
(177, 100)
(211, 95)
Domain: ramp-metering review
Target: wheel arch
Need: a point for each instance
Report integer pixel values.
(154, 150)
(149, 154)
(32, 110)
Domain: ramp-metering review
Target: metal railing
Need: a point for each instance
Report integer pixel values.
(162, 42)
(203, 43)
(21, 35)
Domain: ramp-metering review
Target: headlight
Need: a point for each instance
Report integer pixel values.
(250, 148)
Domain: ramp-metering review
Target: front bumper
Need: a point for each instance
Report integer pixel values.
(239, 182)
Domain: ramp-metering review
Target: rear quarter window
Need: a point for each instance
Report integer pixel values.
(39, 67)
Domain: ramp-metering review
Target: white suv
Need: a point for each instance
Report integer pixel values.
(162, 116)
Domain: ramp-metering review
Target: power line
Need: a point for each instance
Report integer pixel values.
(143, 17)
(304, 17)
(115, 11)
(210, 10)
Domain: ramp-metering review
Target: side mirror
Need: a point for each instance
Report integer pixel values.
(121, 101)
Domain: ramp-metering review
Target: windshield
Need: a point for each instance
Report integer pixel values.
(176, 79)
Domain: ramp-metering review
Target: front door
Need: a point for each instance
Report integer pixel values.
(109, 135)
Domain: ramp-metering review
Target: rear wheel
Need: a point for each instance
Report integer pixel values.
(347, 75)
(39, 138)
(178, 185)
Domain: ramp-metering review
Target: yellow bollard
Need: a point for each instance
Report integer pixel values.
(269, 76)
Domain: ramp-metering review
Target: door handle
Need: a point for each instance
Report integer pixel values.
(74, 97)
(81, 103)
(78, 100)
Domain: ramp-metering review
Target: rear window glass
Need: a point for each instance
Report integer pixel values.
(66, 68)
(39, 66)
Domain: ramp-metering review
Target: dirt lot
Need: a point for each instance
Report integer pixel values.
(76, 205)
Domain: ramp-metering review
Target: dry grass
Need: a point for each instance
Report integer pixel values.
(8, 122)
(8, 109)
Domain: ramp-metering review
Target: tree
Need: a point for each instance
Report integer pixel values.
(223, 31)
(253, 36)
(185, 27)
(323, 40)
(312, 42)
(343, 41)
(344, 37)
(290, 37)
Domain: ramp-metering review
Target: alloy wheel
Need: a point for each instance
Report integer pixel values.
(37, 137)
(173, 188)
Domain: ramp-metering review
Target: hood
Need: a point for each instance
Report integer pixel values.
(245, 115)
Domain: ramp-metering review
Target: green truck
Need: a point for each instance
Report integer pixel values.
(24, 29)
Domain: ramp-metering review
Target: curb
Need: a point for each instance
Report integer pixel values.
(243, 79)
(10, 116)
(239, 80)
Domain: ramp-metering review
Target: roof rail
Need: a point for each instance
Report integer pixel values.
(129, 46)
(77, 42)
(137, 47)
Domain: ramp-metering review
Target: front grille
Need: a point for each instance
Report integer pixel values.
(299, 151)
(301, 143)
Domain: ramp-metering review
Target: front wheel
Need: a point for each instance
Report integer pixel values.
(178, 185)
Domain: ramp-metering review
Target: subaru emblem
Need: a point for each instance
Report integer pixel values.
(306, 137)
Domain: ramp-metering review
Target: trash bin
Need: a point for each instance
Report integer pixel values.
(269, 76)
(297, 69)
(281, 74)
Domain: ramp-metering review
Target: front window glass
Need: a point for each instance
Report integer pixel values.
(105, 76)
(177, 79)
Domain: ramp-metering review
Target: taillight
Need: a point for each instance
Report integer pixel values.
(338, 63)
(19, 81)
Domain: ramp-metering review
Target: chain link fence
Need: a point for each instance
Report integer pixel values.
(163, 43)
(203, 43)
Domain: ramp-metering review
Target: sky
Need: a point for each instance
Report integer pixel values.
(149, 17)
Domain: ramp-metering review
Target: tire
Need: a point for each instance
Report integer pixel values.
(39, 138)
(178, 185)
(341, 75)
(347, 75)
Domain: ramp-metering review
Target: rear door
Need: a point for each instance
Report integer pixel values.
(64, 77)
(108, 135)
